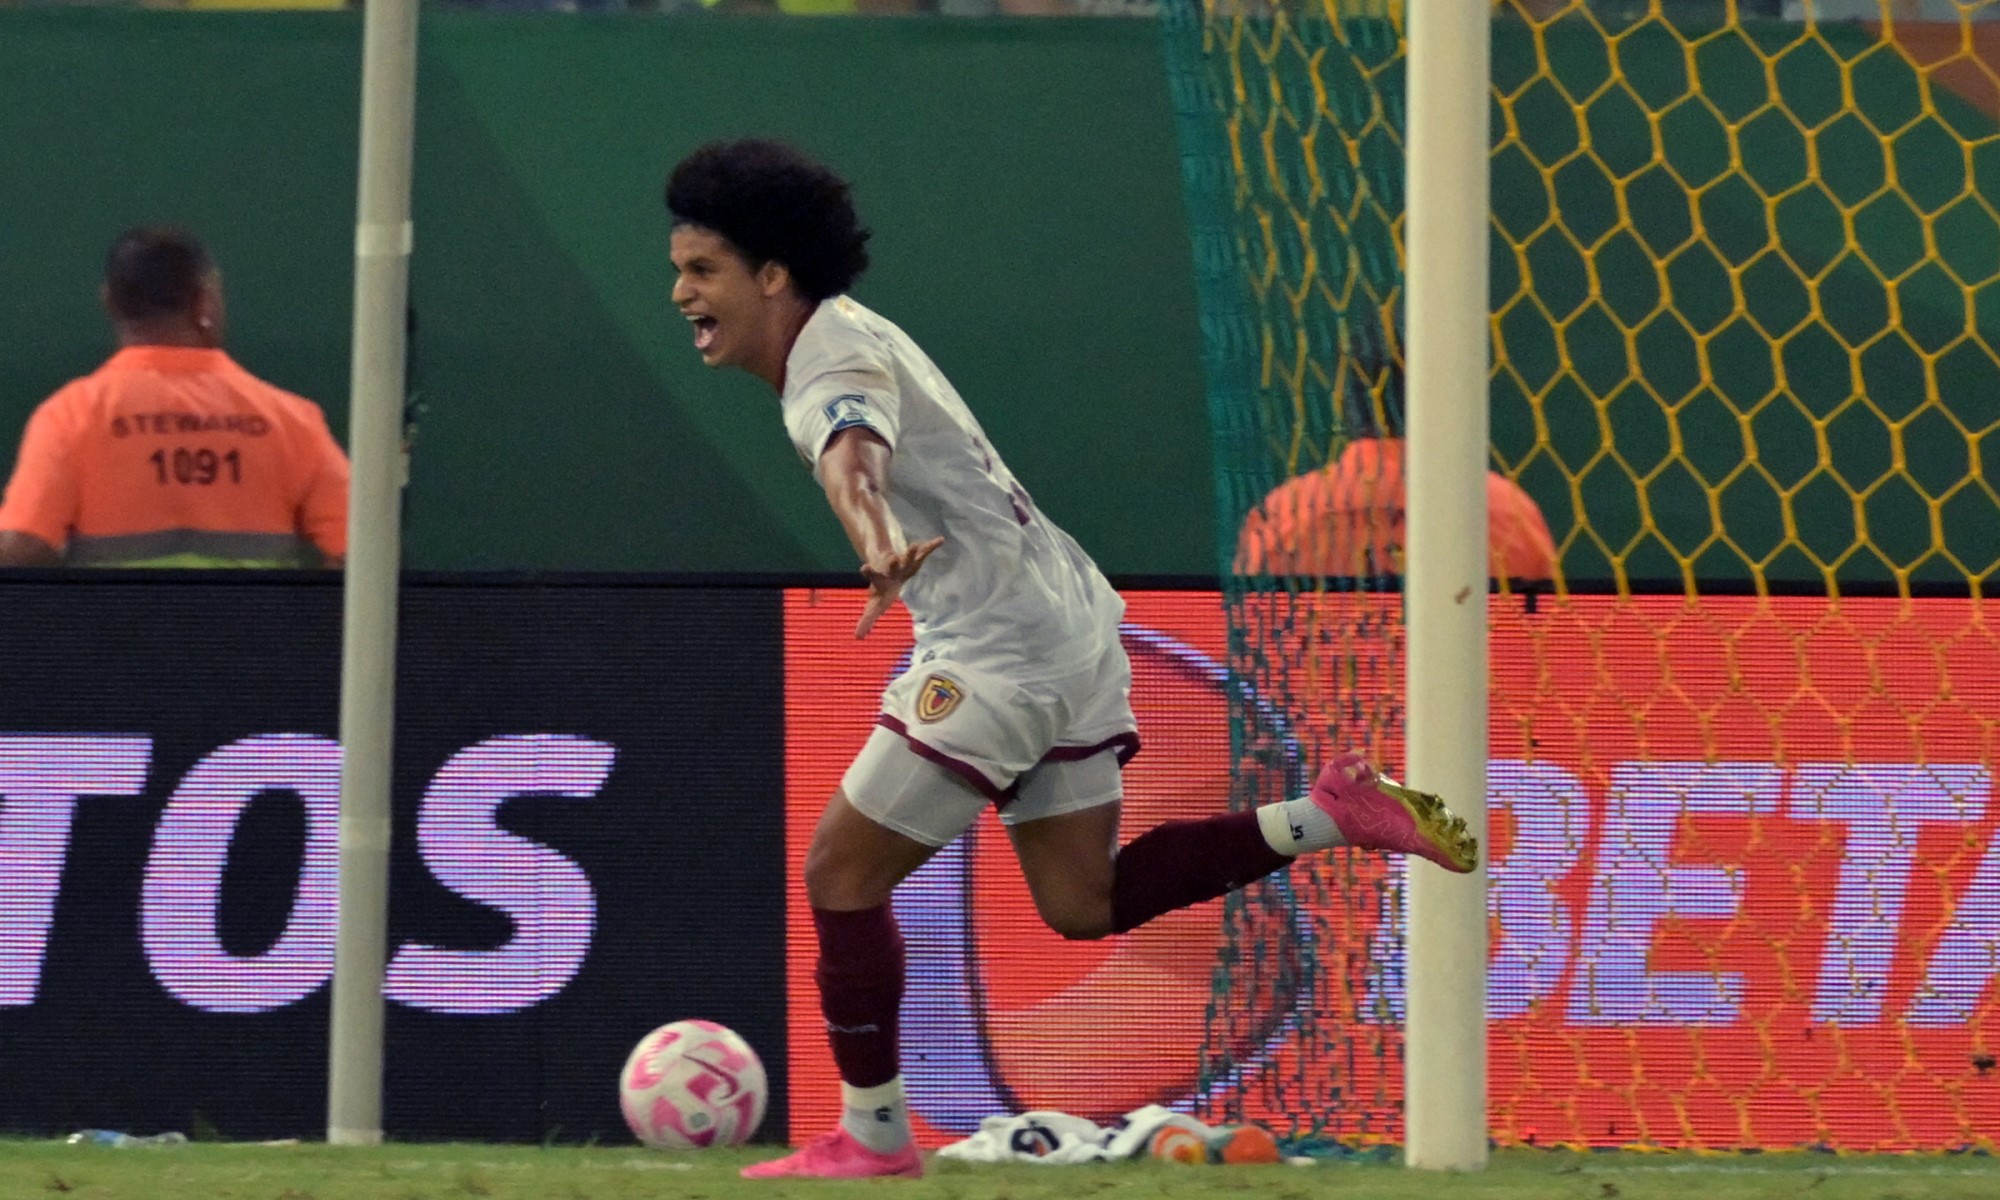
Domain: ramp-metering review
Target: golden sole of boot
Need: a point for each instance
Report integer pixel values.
(1440, 826)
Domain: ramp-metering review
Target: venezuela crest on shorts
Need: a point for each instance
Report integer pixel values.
(937, 698)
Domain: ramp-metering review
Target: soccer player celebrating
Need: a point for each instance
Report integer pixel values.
(1018, 692)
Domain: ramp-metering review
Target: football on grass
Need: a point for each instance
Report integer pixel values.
(691, 1085)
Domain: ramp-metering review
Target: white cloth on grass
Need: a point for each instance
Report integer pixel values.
(1058, 1139)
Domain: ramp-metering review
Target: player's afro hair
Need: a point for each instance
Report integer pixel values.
(154, 271)
(774, 204)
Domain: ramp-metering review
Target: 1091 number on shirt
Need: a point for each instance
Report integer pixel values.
(202, 467)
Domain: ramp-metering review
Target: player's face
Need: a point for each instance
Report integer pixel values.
(726, 301)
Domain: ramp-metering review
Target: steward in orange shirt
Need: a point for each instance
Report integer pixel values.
(170, 454)
(1347, 519)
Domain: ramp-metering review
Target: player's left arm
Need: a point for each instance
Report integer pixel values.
(854, 470)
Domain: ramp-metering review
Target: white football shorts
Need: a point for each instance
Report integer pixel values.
(953, 738)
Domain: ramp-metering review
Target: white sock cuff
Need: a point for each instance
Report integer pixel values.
(1276, 825)
(872, 1097)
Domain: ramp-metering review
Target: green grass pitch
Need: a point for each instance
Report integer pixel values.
(37, 1170)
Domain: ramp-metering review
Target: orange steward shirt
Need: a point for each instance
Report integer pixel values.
(1347, 519)
(177, 456)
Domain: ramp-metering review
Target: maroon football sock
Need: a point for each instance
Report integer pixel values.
(860, 976)
(1180, 863)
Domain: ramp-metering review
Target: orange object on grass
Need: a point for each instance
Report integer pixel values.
(1176, 1143)
(1244, 1145)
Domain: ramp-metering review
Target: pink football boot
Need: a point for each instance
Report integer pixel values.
(1375, 812)
(836, 1155)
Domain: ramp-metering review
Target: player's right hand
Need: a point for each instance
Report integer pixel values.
(886, 574)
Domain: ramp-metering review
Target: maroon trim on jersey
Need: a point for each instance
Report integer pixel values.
(957, 766)
(1127, 744)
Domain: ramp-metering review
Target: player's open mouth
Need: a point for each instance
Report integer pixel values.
(704, 332)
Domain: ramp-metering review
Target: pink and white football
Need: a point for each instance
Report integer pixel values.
(691, 1085)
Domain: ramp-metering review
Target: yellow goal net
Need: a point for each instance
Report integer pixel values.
(1745, 297)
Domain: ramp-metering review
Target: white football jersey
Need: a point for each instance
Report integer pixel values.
(1007, 589)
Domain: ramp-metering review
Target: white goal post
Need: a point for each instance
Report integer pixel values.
(1445, 568)
(382, 244)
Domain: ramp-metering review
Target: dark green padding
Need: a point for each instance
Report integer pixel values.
(1020, 176)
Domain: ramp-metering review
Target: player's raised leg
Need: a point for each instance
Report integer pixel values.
(1086, 886)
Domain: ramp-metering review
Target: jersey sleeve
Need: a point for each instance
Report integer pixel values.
(323, 510)
(857, 391)
(42, 496)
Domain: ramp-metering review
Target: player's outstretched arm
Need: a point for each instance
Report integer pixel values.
(854, 470)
